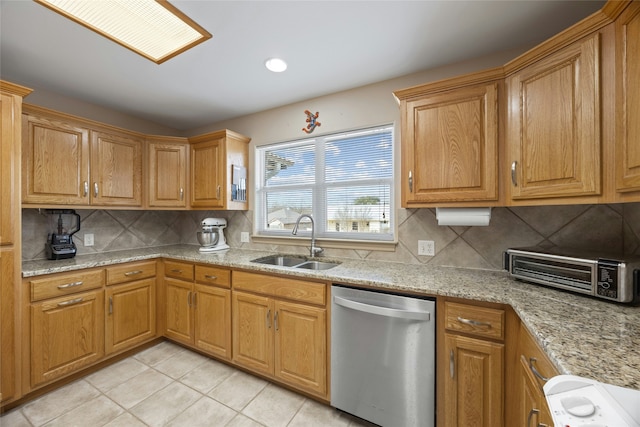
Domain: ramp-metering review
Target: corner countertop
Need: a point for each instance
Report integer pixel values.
(581, 335)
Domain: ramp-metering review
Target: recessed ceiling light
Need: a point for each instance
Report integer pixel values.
(152, 28)
(276, 65)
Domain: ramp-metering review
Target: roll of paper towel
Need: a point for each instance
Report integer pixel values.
(463, 216)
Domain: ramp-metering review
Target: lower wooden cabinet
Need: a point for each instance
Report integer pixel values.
(276, 337)
(66, 334)
(471, 361)
(199, 313)
(527, 404)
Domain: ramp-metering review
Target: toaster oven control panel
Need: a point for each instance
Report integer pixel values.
(607, 285)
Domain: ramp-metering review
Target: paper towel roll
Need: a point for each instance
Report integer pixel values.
(463, 216)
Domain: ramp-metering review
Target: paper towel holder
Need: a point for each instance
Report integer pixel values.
(463, 216)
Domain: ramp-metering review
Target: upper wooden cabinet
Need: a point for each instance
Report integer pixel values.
(553, 133)
(213, 157)
(116, 169)
(627, 152)
(66, 161)
(55, 162)
(167, 180)
(450, 139)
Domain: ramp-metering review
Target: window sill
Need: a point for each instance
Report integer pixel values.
(327, 243)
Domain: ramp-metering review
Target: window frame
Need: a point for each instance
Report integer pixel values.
(324, 232)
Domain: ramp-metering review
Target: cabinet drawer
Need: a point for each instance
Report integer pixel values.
(130, 272)
(213, 276)
(57, 286)
(179, 270)
(479, 321)
(293, 289)
(533, 357)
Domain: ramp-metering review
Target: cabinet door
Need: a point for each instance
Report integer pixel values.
(554, 125)
(450, 147)
(67, 334)
(55, 162)
(628, 99)
(533, 409)
(474, 384)
(167, 174)
(253, 332)
(116, 170)
(207, 174)
(131, 314)
(8, 179)
(301, 346)
(7, 325)
(213, 320)
(178, 310)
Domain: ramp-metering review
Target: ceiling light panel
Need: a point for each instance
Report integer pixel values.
(152, 28)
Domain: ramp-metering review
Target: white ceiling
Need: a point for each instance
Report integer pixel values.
(329, 45)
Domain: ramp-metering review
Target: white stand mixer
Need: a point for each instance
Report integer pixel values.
(212, 237)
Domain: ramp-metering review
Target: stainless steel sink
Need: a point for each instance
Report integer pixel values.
(295, 262)
(317, 265)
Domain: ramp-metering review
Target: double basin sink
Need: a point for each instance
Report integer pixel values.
(295, 262)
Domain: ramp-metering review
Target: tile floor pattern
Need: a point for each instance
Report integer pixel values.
(167, 385)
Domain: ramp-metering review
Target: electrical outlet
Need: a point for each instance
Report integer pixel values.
(244, 237)
(426, 247)
(88, 239)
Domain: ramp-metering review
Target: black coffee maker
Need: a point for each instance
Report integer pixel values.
(60, 243)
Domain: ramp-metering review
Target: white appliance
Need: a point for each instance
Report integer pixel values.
(212, 236)
(581, 402)
(383, 357)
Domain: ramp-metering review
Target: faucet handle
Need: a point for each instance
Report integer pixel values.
(316, 250)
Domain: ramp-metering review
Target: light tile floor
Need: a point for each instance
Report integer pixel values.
(167, 385)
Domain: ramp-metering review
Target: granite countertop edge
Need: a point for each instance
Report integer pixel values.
(581, 335)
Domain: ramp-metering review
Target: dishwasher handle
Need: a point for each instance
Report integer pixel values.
(382, 311)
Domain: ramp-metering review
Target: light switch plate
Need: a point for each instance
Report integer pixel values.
(244, 237)
(426, 247)
(88, 239)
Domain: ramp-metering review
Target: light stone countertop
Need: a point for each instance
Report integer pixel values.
(581, 335)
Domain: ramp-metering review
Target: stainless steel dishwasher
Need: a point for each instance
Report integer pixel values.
(383, 357)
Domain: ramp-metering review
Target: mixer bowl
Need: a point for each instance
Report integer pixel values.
(208, 238)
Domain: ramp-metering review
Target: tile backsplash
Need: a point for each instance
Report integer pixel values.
(610, 228)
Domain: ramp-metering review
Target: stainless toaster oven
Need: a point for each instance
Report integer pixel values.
(610, 277)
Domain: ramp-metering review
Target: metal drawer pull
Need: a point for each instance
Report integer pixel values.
(70, 285)
(175, 270)
(132, 273)
(452, 364)
(532, 360)
(471, 322)
(514, 177)
(70, 302)
(210, 277)
(269, 319)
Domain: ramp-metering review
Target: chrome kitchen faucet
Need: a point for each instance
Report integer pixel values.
(313, 250)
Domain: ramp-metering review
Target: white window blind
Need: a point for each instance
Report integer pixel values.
(344, 181)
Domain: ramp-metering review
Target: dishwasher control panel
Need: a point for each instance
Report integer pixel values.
(582, 402)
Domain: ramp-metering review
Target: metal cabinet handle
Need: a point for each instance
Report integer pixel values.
(537, 413)
(70, 285)
(70, 302)
(95, 189)
(175, 270)
(210, 277)
(514, 176)
(132, 273)
(275, 321)
(410, 182)
(189, 299)
(269, 319)
(110, 305)
(452, 364)
(181, 193)
(86, 188)
(473, 323)
(194, 300)
(532, 360)
(218, 192)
